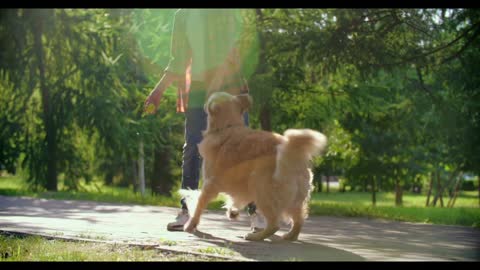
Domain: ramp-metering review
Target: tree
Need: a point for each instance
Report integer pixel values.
(410, 45)
(394, 90)
(84, 81)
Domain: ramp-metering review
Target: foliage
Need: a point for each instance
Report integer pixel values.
(396, 92)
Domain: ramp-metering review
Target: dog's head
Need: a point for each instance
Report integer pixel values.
(224, 109)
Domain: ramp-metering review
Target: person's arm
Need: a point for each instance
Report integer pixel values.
(157, 93)
(175, 71)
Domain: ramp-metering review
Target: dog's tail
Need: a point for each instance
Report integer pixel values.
(297, 151)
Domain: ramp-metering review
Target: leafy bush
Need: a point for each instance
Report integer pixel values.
(468, 186)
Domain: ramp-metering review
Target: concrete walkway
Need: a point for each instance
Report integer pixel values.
(322, 239)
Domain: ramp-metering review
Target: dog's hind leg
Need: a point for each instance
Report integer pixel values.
(270, 230)
(298, 210)
(232, 209)
(272, 227)
(297, 224)
(208, 193)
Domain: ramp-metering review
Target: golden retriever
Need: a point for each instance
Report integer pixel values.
(251, 165)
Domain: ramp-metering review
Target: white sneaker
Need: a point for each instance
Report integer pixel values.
(181, 219)
(232, 213)
(257, 222)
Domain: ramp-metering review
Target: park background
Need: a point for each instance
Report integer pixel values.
(396, 91)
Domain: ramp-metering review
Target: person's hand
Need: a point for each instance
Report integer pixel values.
(152, 101)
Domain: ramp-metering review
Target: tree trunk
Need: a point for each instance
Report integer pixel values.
(374, 198)
(161, 181)
(398, 193)
(128, 174)
(328, 183)
(50, 132)
(320, 186)
(265, 111)
(432, 176)
(318, 182)
(133, 176)
(452, 200)
(109, 178)
(441, 188)
(265, 118)
(141, 169)
(437, 193)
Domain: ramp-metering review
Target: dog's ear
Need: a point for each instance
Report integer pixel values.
(245, 101)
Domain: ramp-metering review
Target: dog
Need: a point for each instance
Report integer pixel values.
(252, 165)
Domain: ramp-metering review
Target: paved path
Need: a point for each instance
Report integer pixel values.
(322, 239)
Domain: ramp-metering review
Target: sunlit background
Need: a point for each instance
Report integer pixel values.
(395, 90)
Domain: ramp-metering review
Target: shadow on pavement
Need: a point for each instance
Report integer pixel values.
(277, 249)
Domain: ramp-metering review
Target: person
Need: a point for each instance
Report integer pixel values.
(205, 57)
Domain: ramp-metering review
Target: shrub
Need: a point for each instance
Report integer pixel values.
(468, 185)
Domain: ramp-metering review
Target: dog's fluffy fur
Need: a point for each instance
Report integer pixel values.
(250, 165)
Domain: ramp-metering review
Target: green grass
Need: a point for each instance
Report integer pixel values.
(16, 186)
(167, 242)
(36, 248)
(352, 204)
(358, 204)
(466, 198)
(216, 251)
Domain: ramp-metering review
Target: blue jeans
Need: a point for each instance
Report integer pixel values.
(195, 123)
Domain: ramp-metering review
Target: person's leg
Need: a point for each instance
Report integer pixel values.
(257, 222)
(246, 119)
(251, 208)
(195, 123)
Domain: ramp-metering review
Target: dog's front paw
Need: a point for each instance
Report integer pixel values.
(190, 226)
(290, 236)
(256, 236)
